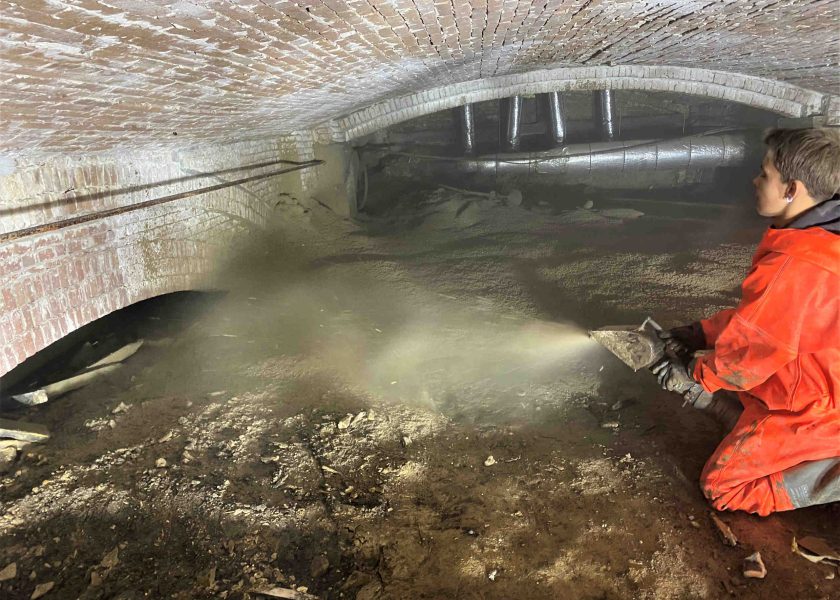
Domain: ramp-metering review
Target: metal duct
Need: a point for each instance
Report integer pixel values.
(558, 122)
(695, 152)
(604, 105)
(467, 115)
(514, 122)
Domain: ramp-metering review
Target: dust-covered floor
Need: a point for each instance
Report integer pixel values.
(408, 407)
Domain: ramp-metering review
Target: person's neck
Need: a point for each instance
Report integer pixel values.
(800, 205)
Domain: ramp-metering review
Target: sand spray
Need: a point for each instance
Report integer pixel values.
(404, 344)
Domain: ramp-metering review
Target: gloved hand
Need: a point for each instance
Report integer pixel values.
(685, 340)
(675, 375)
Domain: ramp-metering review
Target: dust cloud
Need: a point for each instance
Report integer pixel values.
(386, 337)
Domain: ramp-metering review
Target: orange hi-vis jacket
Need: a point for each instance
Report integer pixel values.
(780, 351)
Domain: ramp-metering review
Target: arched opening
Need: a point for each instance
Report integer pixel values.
(95, 351)
(670, 153)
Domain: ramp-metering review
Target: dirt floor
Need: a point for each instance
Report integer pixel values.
(408, 407)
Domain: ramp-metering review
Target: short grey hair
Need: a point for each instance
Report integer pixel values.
(811, 156)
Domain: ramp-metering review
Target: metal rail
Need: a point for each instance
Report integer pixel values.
(133, 189)
(47, 227)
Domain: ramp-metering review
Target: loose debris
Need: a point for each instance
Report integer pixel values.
(621, 213)
(754, 567)
(59, 388)
(620, 404)
(7, 458)
(9, 572)
(611, 213)
(489, 461)
(31, 398)
(102, 367)
(22, 430)
(816, 550)
(119, 356)
(319, 567)
(286, 593)
(42, 589)
(112, 559)
(725, 532)
(512, 198)
(693, 522)
(100, 424)
(16, 444)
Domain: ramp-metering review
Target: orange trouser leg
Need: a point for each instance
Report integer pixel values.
(744, 472)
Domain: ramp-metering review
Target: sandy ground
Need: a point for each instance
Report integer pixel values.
(407, 407)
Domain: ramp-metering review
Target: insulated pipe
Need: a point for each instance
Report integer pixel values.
(514, 122)
(694, 152)
(558, 122)
(467, 115)
(604, 109)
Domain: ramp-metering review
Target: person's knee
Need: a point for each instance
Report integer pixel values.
(727, 493)
(747, 497)
(721, 500)
(709, 479)
(710, 490)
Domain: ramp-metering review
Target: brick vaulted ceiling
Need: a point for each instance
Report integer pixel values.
(89, 75)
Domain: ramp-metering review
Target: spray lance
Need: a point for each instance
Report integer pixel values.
(637, 347)
(643, 348)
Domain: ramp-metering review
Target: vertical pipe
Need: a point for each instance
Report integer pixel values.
(514, 122)
(604, 104)
(558, 121)
(467, 115)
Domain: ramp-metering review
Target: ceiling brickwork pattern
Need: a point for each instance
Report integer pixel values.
(91, 75)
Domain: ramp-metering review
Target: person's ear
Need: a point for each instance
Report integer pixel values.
(791, 190)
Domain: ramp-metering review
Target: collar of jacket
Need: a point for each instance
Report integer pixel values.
(825, 215)
(816, 245)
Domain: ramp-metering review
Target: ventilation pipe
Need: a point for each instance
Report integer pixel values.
(693, 152)
(467, 114)
(604, 111)
(514, 122)
(558, 122)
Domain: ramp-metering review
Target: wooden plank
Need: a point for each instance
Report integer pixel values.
(23, 430)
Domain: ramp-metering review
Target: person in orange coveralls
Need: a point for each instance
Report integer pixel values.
(779, 350)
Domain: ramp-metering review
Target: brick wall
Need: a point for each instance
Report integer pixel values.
(86, 75)
(57, 281)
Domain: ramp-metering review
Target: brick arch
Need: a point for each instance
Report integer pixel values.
(65, 279)
(56, 281)
(768, 94)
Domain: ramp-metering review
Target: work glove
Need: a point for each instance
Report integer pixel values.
(674, 375)
(685, 340)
